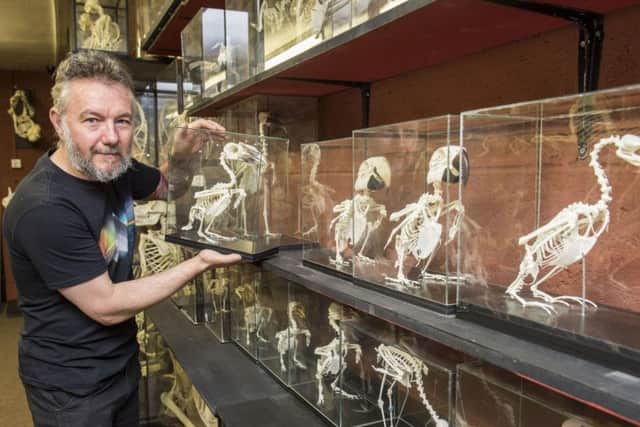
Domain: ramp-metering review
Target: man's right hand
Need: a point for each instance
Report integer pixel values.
(215, 259)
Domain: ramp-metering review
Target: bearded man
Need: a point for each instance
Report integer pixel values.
(70, 231)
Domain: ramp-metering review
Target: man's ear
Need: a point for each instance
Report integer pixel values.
(56, 121)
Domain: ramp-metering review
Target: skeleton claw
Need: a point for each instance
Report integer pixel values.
(550, 309)
(402, 281)
(582, 301)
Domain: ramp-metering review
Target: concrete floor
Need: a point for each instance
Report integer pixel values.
(13, 404)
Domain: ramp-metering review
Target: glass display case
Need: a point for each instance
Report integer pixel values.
(223, 197)
(326, 205)
(279, 333)
(155, 363)
(190, 299)
(406, 209)
(144, 147)
(393, 377)
(217, 288)
(204, 56)
(313, 359)
(490, 397)
(170, 115)
(551, 233)
(244, 36)
(294, 118)
(251, 308)
(101, 25)
(148, 15)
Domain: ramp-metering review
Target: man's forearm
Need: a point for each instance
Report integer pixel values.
(131, 297)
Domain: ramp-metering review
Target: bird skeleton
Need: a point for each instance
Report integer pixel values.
(255, 315)
(314, 194)
(332, 358)
(267, 167)
(104, 34)
(216, 282)
(401, 367)
(287, 339)
(322, 12)
(22, 113)
(360, 217)
(570, 235)
(212, 203)
(419, 232)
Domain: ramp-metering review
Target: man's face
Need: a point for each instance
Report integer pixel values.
(97, 128)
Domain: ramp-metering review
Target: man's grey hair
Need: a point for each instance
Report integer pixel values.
(87, 64)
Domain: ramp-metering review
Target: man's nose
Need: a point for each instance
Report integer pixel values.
(110, 134)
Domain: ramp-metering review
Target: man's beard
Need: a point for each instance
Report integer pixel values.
(86, 167)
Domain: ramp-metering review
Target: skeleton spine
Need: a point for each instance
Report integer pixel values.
(423, 395)
(603, 181)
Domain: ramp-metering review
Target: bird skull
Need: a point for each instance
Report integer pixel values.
(373, 174)
(449, 163)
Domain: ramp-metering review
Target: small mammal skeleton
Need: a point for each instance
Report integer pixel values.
(570, 235)
(401, 367)
(332, 360)
(287, 339)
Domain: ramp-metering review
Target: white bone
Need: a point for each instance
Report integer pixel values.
(287, 339)
(157, 255)
(22, 114)
(104, 34)
(332, 358)
(401, 367)
(420, 232)
(256, 315)
(569, 236)
(314, 194)
(360, 217)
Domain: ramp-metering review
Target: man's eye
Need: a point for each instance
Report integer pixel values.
(125, 122)
(91, 120)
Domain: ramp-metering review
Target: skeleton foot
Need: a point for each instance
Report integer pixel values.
(216, 238)
(340, 392)
(402, 282)
(550, 309)
(311, 230)
(582, 301)
(365, 259)
(187, 227)
(299, 364)
(340, 262)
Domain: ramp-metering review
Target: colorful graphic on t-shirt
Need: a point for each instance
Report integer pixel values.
(116, 239)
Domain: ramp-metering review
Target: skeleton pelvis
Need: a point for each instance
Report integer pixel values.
(428, 239)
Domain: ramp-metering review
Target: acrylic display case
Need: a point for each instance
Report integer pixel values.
(550, 237)
(251, 308)
(217, 288)
(406, 209)
(490, 397)
(204, 56)
(326, 205)
(190, 299)
(145, 148)
(294, 118)
(393, 377)
(101, 25)
(148, 15)
(169, 114)
(228, 203)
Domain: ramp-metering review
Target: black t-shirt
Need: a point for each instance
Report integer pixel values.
(63, 231)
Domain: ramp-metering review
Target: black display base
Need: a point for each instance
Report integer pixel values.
(291, 243)
(245, 248)
(431, 305)
(319, 259)
(604, 335)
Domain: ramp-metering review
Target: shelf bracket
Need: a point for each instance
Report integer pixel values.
(365, 92)
(591, 37)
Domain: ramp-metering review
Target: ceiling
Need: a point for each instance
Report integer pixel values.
(27, 34)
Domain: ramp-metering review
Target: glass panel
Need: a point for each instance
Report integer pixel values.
(217, 304)
(326, 199)
(488, 396)
(398, 379)
(101, 24)
(204, 54)
(148, 14)
(190, 298)
(536, 248)
(249, 314)
(222, 197)
(406, 208)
